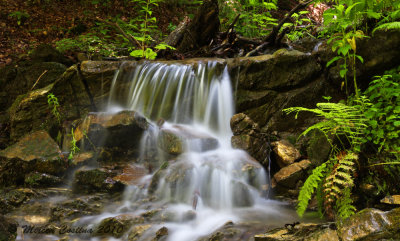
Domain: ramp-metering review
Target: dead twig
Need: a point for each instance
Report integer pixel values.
(37, 81)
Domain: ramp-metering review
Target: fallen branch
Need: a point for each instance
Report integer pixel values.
(232, 24)
(259, 48)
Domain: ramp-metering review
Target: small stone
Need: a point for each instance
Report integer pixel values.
(285, 152)
(162, 232)
(290, 175)
(137, 232)
(394, 199)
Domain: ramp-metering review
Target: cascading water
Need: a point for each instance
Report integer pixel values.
(208, 183)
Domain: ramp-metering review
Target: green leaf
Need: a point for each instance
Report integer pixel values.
(333, 60)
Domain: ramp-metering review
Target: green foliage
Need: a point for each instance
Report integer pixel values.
(255, 17)
(388, 26)
(89, 43)
(338, 184)
(345, 122)
(310, 185)
(384, 114)
(52, 101)
(20, 16)
(301, 26)
(74, 148)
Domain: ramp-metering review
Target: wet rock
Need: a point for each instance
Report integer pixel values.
(309, 231)
(122, 130)
(177, 138)
(290, 175)
(37, 179)
(34, 152)
(115, 226)
(242, 124)
(137, 232)
(161, 234)
(156, 177)
(95, 180)
(247, 136)
(83, 158)
(82, 206)
(393, 199)
(11, 199)
(131, 174)
(170, 142)
(371, 224)
(8, 229)
(285, 153)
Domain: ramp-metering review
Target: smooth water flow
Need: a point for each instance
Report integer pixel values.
(209, 183)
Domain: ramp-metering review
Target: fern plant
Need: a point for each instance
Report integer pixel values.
(335, 177)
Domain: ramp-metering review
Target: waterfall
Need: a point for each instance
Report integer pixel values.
(208, 183)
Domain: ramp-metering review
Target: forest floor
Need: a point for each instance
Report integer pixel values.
(26, 24)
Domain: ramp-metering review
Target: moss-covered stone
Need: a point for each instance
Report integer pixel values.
(95, 180)
(34, 152)
(115, 226)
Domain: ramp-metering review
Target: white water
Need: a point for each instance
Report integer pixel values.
(202, 190)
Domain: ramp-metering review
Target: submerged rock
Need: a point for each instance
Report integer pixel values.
(176, 139)
(34, 152)
(137, 231)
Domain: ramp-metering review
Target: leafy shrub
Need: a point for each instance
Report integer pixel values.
(384, 114)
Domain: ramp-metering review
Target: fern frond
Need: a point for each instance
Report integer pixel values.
(340, 180)
(307, 190)
(344, 205)
(388, 26)
(340, 120)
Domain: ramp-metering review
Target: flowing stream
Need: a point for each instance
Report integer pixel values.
(211, 186)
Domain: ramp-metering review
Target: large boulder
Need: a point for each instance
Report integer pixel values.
(79, 89)
(36, 152)
(31, 112)
(118, 135)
